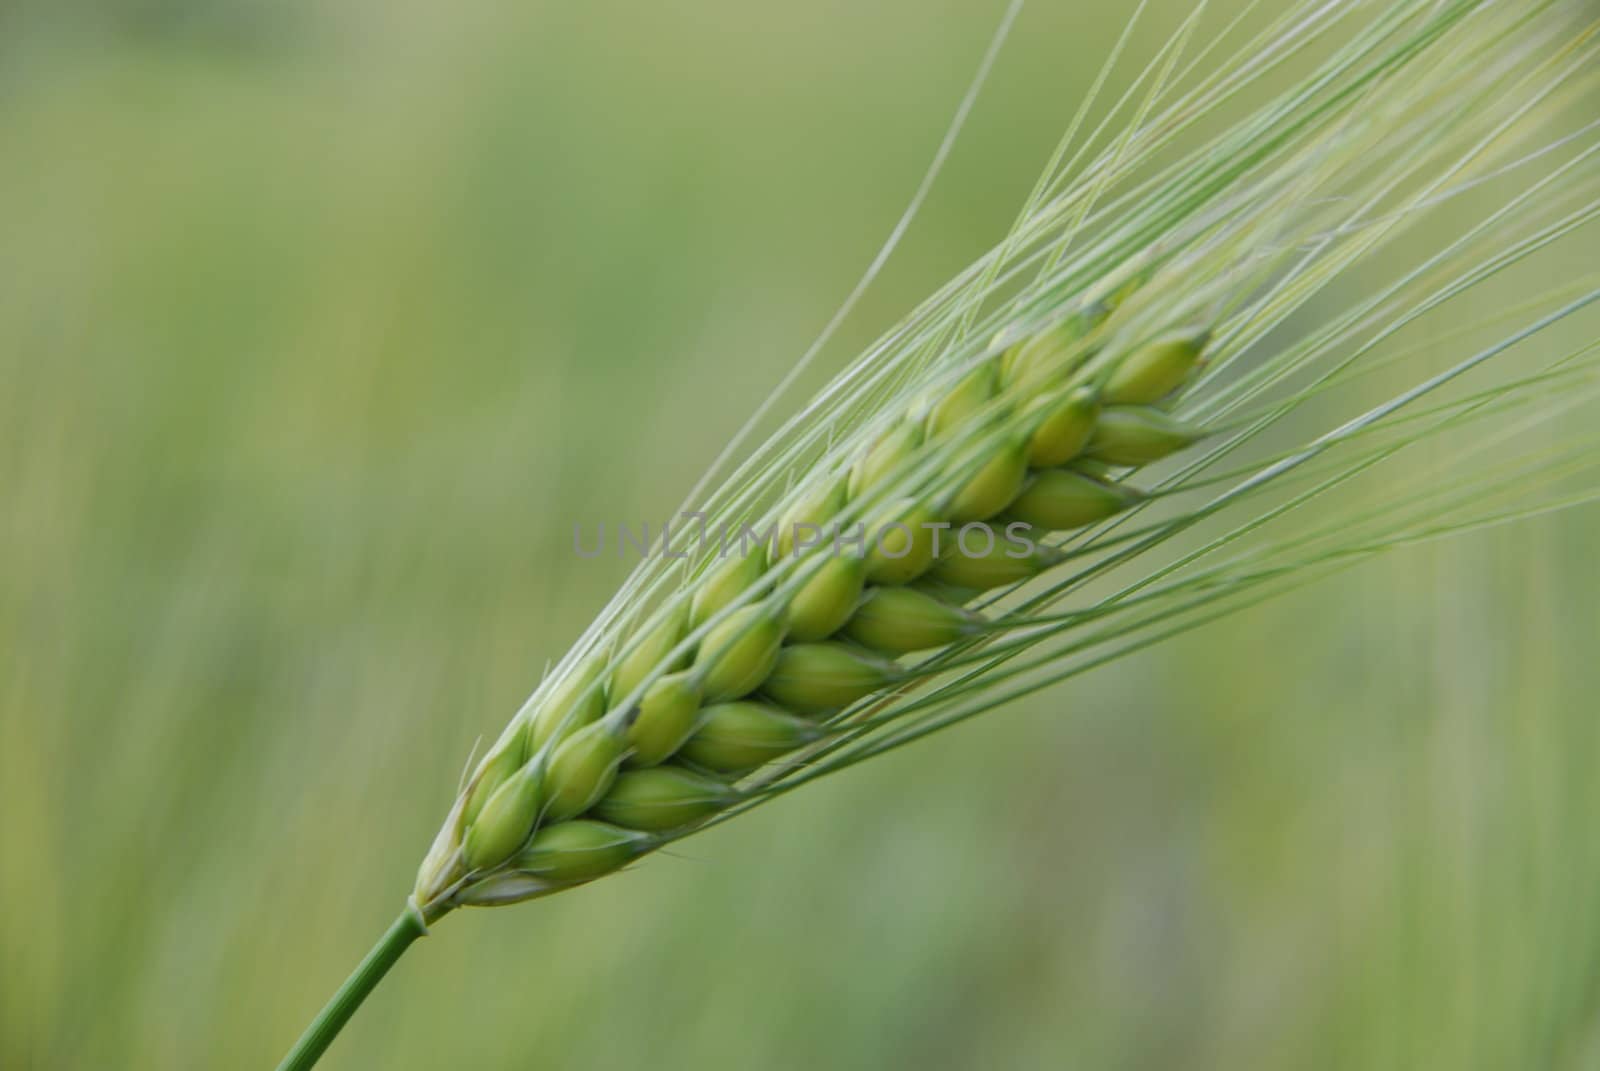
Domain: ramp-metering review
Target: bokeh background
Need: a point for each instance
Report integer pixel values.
(322, 322)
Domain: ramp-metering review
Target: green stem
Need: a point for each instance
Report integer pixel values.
(326, 1026)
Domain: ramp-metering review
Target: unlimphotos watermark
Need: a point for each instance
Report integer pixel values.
(894, 539)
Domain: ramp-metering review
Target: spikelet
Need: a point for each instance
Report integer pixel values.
(663, 798)
(666, 716)
(735, 738)
(897, 621)
(819, 678)
(827, 599)
(581, 770)
(571, 852)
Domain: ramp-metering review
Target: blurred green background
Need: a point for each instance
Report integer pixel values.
(321, 323)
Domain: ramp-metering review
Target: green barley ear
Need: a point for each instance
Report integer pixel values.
(735, 738)
(1135, 435)
(663, 798)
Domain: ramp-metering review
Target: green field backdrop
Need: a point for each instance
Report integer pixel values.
(321, 323)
